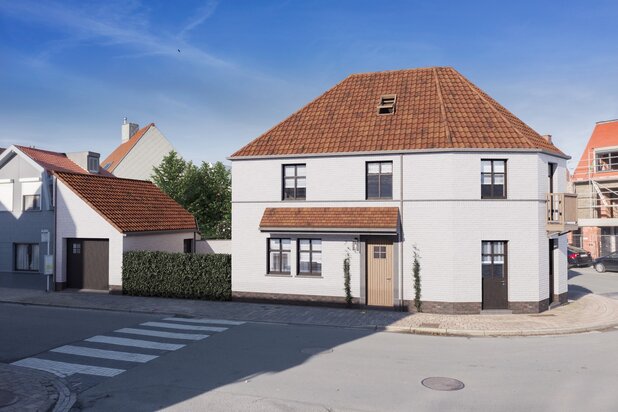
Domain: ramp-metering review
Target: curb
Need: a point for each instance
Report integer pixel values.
(388, 328)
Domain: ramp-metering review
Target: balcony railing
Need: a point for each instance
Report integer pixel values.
(561, 212)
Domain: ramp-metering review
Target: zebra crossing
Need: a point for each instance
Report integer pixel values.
(109, 355)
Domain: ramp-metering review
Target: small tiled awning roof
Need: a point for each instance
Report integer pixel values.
(331, 219)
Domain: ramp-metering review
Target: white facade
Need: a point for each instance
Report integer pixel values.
(439, 198)
(147, 153)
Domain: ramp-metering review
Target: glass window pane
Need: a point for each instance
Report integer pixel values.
(485, 179)
(499, 259)
(387, 167)
(486, 259)
(499, 270)
(305, 265)
(316, 244)
(285, 263)
(301, 193)
(289, 170)
(498, 191)
(499, 179)
(498, 247)
(316, 265)
(373, 186)
(486, 248)
(34, 263)
(499, 166)
(285, 243)
(289, 182)
(486, 191)
(275, 262)
(301, 182)
(486, 271)
(373, 168)
(275, 243)
(386, 186)
(304, 244)
(289, 193)
(301, 170)
(485, 166)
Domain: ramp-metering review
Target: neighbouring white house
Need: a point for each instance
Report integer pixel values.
(389, 162)
(139, 152)
(63, 216)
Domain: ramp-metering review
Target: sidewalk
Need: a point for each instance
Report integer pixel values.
(24, 389)
(588, 313)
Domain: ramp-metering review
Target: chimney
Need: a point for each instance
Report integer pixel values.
(128, 130)
(548, 138)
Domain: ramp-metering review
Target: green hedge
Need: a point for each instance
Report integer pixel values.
(177, 275)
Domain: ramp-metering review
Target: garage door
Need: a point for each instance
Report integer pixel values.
(88, 264)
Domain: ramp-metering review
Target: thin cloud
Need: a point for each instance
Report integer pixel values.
(202, 14)
(107, 31)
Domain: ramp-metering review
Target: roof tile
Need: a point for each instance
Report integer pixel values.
(331, 218)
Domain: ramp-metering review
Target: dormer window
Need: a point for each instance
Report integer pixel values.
(387, 104)
(93, 164)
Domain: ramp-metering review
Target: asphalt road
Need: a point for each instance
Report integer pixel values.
(266, 367)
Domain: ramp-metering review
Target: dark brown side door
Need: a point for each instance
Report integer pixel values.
(88, 264)
(553, 245)
(494, 272)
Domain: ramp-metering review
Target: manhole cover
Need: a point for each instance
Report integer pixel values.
(315, 351)
(442, 384)
(7, 398)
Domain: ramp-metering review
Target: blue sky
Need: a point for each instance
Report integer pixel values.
(70, 71)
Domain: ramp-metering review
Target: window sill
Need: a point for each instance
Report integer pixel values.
(494, 198)
(379, 199)
(293, 200)
(28, 272)
(306, 275)
(279, 275)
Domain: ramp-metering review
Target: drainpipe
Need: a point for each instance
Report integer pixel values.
(55, 211)
(401, 300)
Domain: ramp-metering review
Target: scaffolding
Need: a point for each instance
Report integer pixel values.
(601, 201)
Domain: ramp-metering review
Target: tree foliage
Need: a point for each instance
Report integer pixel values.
(203, 190)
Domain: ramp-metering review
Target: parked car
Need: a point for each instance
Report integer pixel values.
(609, 262)
(578, 257)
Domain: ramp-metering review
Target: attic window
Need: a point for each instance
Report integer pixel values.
(387, 104)
(93, 164)
(107, 165)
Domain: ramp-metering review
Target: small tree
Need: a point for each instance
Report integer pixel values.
(170, 175)
(346, 279)
(416, 271)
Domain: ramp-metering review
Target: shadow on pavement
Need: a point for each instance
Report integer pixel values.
(577, 292)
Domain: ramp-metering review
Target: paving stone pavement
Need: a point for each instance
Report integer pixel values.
(31, 390)
(585, 313)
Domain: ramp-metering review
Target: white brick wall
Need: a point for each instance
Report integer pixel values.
(164, 242)
(443, 215)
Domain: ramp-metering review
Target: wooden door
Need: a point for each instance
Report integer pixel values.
(88, 264)
(494, 272)
(553, 245)
(379, 273)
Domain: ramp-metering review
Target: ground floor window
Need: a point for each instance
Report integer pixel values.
(279, 256)
(27, 256)
(494, 259)
(310, 257)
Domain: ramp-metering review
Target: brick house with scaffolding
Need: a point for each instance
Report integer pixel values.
(595, 181)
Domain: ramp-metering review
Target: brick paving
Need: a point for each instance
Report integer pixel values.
(34, 390)
(586, 313)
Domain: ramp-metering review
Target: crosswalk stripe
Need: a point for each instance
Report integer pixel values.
(184, 327)
(161, 334)
(64, 369)
(104, 354)
(138, 343)
(207, 321)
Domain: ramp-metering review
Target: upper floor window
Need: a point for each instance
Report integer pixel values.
(310, 257)
(294, 182)
(93, 164)
(27, 257)
(279, 256)
(31, 194)
(606, 161)
(493, 179)
(32, 202)
(379, 180)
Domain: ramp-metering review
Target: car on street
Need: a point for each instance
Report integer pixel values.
(578, 257)
(608, 262)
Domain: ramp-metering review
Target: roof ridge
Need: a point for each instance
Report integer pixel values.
(414, 69)
(104, 177)
(442, 107)
(477, 92)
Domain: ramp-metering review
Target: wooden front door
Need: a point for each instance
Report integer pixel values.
(88, 264)
(494, 272)
(379, 273)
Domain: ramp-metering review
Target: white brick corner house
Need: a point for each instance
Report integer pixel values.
(385, 162)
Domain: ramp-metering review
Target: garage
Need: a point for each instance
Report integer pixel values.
(88, 264)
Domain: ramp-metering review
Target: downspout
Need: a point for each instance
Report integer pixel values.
(401, 300)
(55, 209)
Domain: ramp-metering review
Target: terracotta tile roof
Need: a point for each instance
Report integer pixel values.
(436, 108)
(54, 161)
(121, 151)
(376, 218)
(605, 134)
(129, 205)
